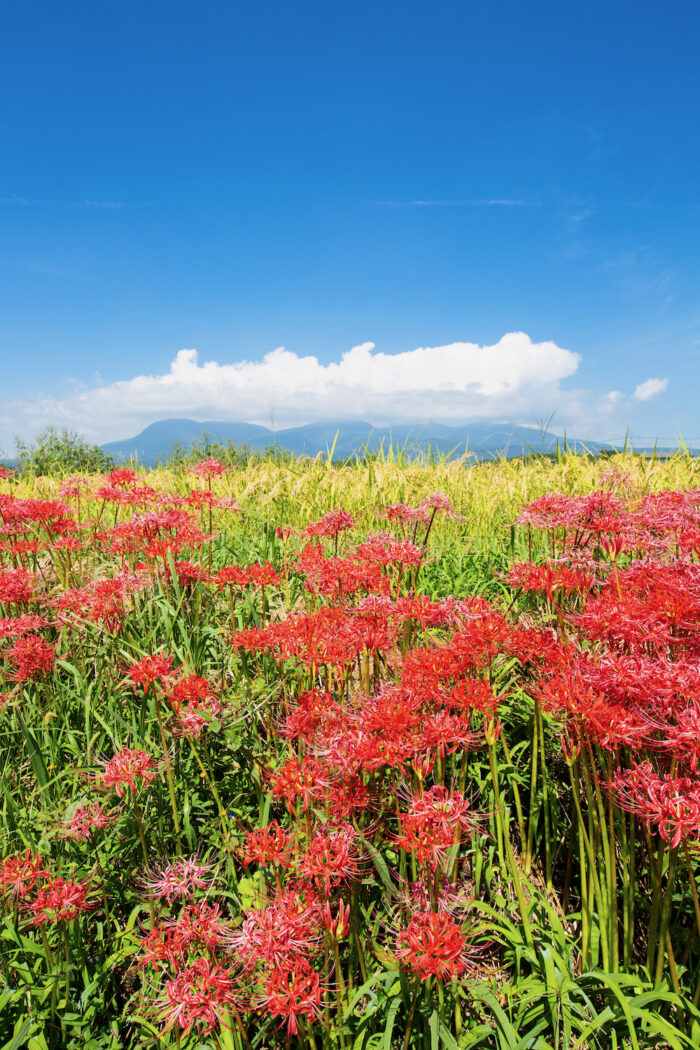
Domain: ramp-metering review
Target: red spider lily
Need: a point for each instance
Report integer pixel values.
(200, 925)
(200, 928)
(59, 900)
(33, 511)
(194, 704)
(270, 845)
(178, 880)
(187, 572)
(230, 576)
(583, 516)
(128, 769)
(149, 670)
(658, 608)
(192, 720)
(123, 477)
(473, 647)
(263, 575)
(16, 626)
(384, 732)
(347, 797)
(428, 612)
(293, 993)
(31, 656)
(372, 752)
(17, 586)
(134, 496)
(338, 925)
(67, 543)
(405, 513)
(156, 533)
(312, 709)
(85, 820)
(205, 498)
(613, 546)
(578, 693)
(332, 857)
(161, 947)
(549, 578)
(329, 636)
(199, 997)
(640, 682)
(387, 550)
(276, 935)
(434, 823)
(209, 468)
(444, 733)
(331, 524)
(101, 602)
(439, 501)
(301, 779)
(668, 804)
(471, 694)
(21, 547)
(201, 498)
(339, 577)
(20, 873)
(432, 945)
(683, 739)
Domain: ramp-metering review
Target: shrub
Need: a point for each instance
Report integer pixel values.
(61, 452)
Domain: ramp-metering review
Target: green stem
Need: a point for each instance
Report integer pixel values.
(656, 867)
(693, 885)
(341, 992)
(516, 792)
(517, 885)
(411, 1012)
(356, 938)
(592, 872)
(545, 807)
(614, 922)
(666, 914)
(533, 792)
(212, 785)
(169, 772)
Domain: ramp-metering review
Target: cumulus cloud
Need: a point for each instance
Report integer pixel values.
(460, 381)
(649, 388)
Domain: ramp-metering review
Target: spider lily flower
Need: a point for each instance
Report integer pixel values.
(432, 945)
(128, 770)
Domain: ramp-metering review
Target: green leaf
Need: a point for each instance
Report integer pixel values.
(389, 1028)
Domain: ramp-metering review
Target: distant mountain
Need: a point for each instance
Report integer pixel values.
(484, 440)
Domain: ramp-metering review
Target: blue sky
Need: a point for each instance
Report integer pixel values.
(235, 178)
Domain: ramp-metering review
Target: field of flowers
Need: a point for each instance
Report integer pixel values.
(371, 757)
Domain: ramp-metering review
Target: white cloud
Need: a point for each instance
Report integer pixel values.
(649, 388)
(513, 378)
(612, 398)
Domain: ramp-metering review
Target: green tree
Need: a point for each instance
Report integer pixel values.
(181, 457)
(56, 451)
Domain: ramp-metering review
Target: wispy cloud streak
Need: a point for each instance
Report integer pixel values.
(486, 202)
(29, 202)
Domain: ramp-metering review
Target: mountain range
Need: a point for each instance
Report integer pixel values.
(347, 438)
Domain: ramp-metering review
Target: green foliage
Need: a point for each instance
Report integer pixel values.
(182, 457)
(60, 452)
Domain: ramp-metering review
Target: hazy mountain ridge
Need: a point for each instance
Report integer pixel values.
(484, 440)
